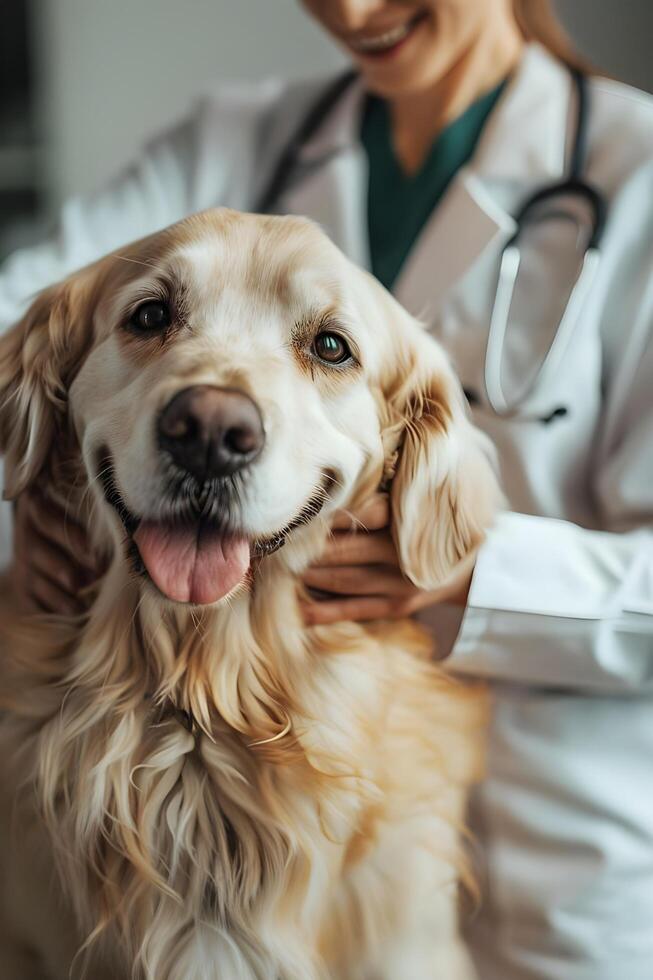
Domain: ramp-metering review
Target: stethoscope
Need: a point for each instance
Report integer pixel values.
(571, 186)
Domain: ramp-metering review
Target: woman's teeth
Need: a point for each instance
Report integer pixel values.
(385, 41)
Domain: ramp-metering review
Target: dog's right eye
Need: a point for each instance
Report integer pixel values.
(331, 348)
(150, 317)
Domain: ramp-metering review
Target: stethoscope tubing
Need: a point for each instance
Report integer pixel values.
(282, 173)
(510, 261)
(572, 186)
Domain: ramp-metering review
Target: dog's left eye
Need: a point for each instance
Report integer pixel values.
(150, 317)
(331, 347)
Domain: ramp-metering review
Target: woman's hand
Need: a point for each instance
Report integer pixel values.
(358, 576)
(52, 558)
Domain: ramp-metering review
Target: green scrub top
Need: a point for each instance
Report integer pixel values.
(399, 204)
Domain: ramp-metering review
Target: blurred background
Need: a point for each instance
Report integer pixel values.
(84, 82)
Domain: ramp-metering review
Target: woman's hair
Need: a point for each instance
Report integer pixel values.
(538, 22)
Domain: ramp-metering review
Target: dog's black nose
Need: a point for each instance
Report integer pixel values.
(211, 431)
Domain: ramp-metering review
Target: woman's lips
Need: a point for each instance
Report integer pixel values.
(388, 42)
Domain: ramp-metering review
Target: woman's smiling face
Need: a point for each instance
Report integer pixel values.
(406, 46)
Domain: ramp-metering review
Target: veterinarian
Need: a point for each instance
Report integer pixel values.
(419, 167)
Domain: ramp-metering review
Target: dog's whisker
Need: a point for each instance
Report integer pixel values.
(127, 258)
(195, 620)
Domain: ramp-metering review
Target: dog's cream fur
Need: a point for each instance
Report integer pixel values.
(308, 825)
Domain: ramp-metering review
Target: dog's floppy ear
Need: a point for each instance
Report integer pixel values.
(444, 492)
(38, 360)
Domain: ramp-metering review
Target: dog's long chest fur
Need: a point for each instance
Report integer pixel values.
(232, 843)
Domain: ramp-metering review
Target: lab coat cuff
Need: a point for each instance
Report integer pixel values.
(547, 567)
(552, 604)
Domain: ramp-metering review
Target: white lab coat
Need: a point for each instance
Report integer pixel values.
(560, 610)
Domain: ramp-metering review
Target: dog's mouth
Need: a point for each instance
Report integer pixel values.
(201, 556)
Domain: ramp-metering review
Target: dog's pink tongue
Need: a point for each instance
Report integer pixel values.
(192, 564)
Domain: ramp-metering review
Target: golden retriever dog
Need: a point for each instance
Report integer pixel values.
(195, 784)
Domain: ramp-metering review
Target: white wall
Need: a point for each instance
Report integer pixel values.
(617, 35)
(117, 70)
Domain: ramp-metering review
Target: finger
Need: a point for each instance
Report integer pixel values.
(47, 597)
(372, 516)
(50, 512)
(376, 548)
(350, 610)
(63, 535)
(57, 525)
(368, 580)
(44, 497)
(46, 559)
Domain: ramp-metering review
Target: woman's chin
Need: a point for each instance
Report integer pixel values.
(415, 68)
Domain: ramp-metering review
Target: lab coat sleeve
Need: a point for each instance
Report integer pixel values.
(553, 604)
(212, 157)
(152, 192)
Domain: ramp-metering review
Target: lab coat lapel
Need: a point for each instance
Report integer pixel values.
(330, 178)
(458, 231)
(522, 147)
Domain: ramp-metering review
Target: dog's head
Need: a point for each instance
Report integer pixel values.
(231, 382)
